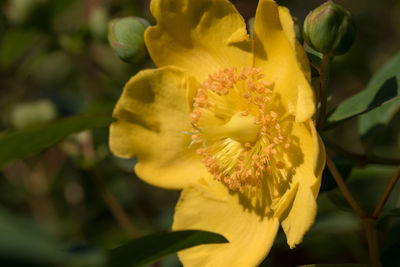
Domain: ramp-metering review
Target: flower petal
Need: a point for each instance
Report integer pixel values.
(300, 215)
(208, 205)
(152, 114)
(282, 58)
(201, 36)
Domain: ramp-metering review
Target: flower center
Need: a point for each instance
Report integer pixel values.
(235, 120)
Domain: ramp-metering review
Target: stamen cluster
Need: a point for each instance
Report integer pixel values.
(239, 165)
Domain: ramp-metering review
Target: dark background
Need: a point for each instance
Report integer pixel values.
(55, 61)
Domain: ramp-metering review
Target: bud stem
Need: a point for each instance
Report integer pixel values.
(323, 88)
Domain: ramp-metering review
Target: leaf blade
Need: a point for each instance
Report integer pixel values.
(25, 243)
(366, 100)
(382, 115)
(25, 142)
(334, 265)
(382, 88)
(148, 249)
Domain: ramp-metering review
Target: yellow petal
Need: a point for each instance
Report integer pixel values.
(208, 205)
(288, 27)
(285, 202)
(282, 59)
(310, 162)
(201, 36)
(152, 114)
(300, 215)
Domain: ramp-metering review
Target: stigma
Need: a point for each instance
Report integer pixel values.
(238, 128)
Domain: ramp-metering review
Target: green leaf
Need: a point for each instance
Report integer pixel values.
(368, 99)
(22, 143)
(148, 249)
(24, 243)
(334, 265)
(374, 122)
(22, 240)
(380, 117)
(381, 89)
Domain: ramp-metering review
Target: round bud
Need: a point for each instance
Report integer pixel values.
(126, 38)
(329, 29)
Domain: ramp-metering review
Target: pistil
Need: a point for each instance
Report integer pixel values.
(239, 128)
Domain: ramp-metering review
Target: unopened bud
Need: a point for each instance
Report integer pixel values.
(329, 29)
(126, 38)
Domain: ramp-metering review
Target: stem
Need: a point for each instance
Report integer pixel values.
(342, 186)
(368, 222)
(323, 88)
(372, 239)
(387, 193)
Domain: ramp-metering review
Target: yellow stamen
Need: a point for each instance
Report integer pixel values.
(241, 133)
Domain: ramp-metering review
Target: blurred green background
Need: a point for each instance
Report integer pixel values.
(55, 62)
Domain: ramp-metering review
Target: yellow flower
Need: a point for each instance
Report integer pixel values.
(228, 119)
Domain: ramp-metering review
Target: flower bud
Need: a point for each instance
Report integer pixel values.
(126, 38)
(329, 29)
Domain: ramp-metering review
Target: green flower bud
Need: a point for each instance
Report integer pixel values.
(329, 29)
(126, 38)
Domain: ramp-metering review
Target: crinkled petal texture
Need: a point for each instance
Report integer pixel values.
(282, 59)
(208, 205)
(152, 115)
(201, 36)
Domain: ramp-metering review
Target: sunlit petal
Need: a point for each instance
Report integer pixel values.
(152, 115)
